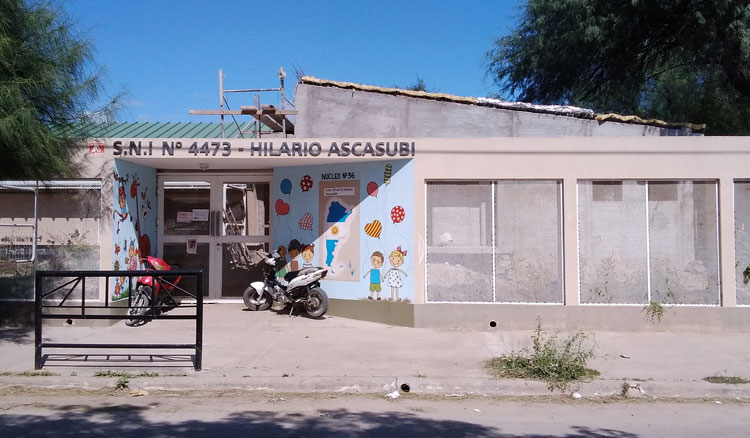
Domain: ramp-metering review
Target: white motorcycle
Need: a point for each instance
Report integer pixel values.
(303, 287)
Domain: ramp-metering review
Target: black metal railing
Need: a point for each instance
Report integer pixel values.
(66, 299)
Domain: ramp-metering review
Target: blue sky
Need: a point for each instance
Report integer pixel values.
(167, 54)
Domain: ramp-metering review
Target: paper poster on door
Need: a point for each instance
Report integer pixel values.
(339, 229)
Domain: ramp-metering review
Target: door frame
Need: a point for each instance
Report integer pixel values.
(216, 201)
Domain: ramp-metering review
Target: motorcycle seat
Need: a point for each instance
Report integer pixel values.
(291, 276)
(294, 274)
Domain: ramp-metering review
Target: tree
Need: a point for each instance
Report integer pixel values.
(677, 60)
(48, 82)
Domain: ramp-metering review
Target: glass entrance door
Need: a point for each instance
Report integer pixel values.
(213, 223)
(245, 228)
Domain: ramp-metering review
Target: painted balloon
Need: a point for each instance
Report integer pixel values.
(397, 214)
(374, 228)
(372, 189)
(134, 188)
(282, 207)
(306, 183)
(286, 186)
(387, 174)
(306, 221)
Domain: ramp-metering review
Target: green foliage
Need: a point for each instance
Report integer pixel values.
(731, 380)
(122, 383)
(681, 61)
(40, 373)
(746, 275)
(557, 362)
(47, 84)
(654, 312)
(124, 374)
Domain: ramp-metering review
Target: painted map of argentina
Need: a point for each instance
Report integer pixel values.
(339, 229)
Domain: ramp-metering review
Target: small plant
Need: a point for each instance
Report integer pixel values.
(109, 373)
(42, 373)
(732, 380)
(557, 362)
(122, 383)
(654, 312)
(746, 275)
(624, 389)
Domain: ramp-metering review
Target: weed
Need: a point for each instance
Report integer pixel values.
(122, 383)
(732, 380)
(109, 373)
(42, 373)
(624, 389)
(557, 362)
(746, 275)
(654, 312)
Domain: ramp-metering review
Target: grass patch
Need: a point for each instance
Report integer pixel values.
(731, 380)
(42, 373)
(552, 360)
(122, 383)
(124, 374)
(654, 312)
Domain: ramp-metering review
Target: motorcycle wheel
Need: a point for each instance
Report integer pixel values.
(316, 304)
(255, 302)
(140, 306)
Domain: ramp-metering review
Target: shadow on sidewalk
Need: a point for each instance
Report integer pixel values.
(22, 335)
(130, 421)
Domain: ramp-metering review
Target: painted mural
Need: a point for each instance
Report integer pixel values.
(134, 221)
(356, 220)
(339, 229)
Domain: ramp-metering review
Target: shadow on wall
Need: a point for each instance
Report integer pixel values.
(131, 421)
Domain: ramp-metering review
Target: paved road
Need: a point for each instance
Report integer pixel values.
(64, 414)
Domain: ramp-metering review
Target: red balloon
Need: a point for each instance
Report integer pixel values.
(372, 189)
(282, 207)
(397, 214)
(306, 183)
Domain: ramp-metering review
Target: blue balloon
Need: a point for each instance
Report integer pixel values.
(286, 186)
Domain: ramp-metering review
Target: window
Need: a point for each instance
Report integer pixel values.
(606, 190)
(659, 244)
(495, 241)
(742, 239)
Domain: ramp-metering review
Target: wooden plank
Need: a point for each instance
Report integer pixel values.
(216, 112)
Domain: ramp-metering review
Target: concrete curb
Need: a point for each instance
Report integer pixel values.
(382, 385)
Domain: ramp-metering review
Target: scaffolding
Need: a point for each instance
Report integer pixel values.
(275, 120)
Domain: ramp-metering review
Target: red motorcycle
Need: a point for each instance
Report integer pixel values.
(153, 294)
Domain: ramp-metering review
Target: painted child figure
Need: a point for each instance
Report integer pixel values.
(393, 275)
(308, 251)
(377, 260)
(282, 253)
(294, 250)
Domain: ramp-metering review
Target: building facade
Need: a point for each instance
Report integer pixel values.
(581, 230)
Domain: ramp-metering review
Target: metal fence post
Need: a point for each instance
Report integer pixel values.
(199, 324)
(37, 321)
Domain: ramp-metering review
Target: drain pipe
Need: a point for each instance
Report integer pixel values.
(36, 225)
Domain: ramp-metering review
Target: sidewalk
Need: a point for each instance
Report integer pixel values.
(273, 352)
